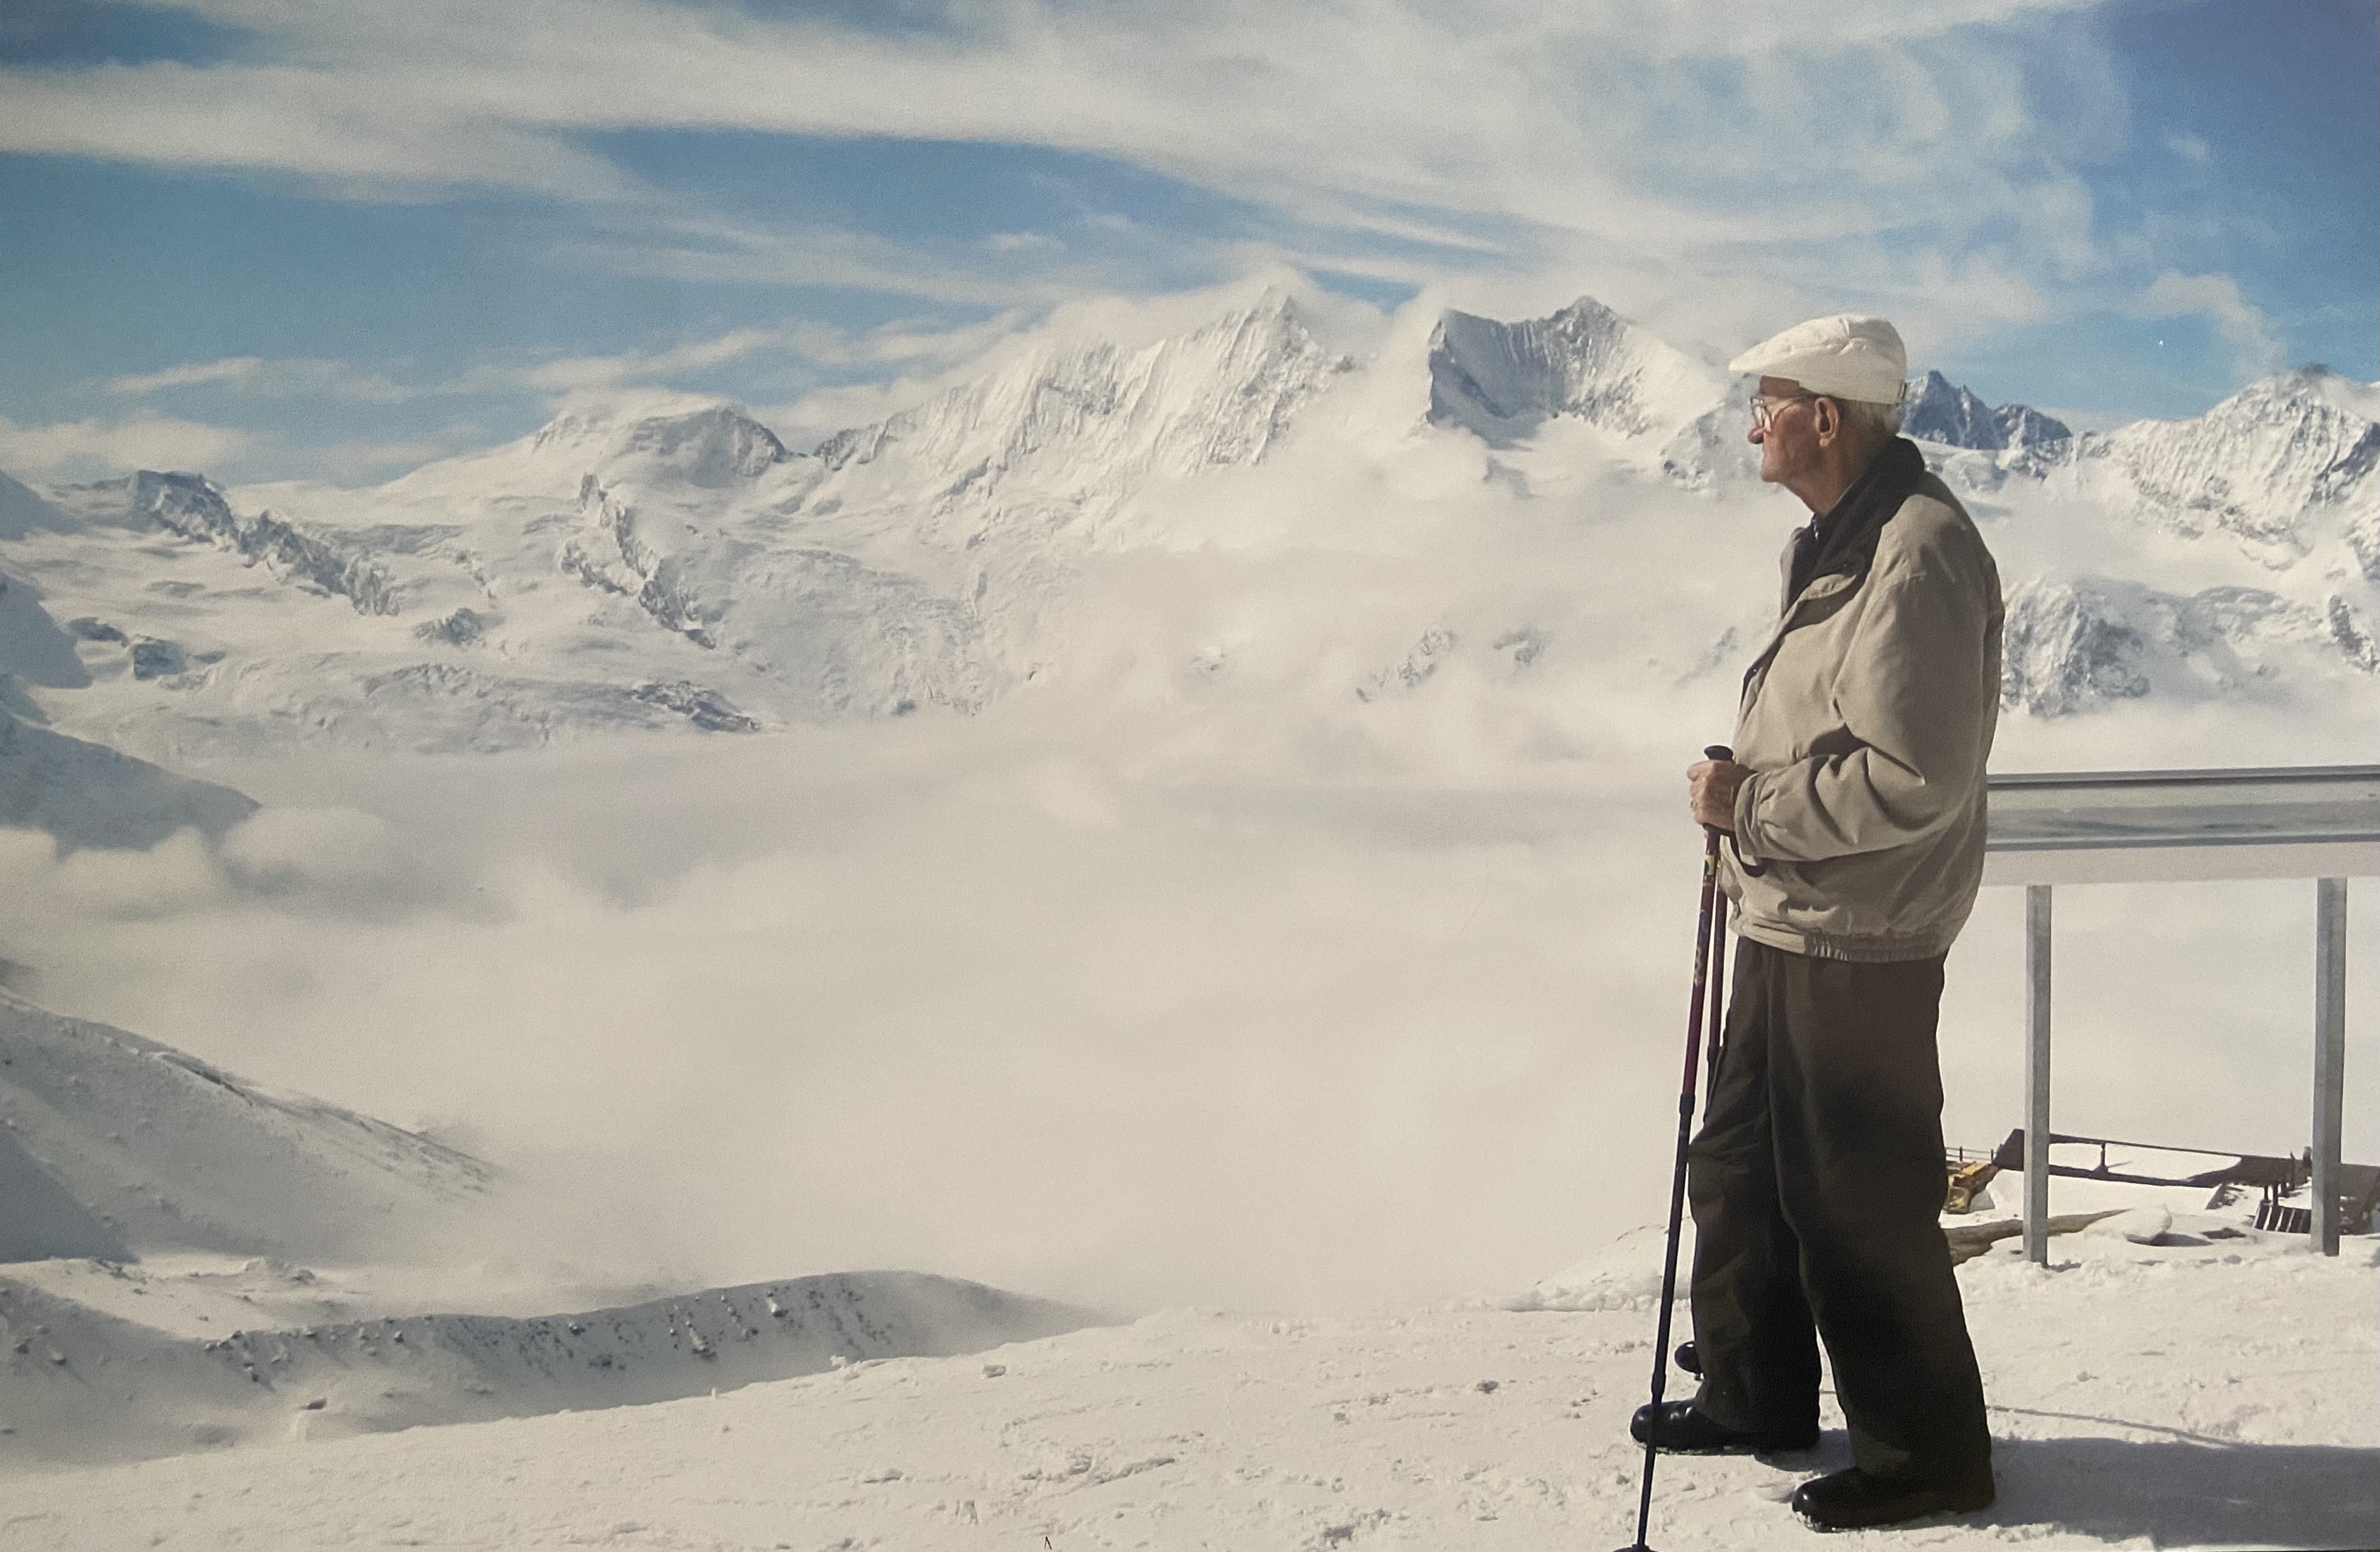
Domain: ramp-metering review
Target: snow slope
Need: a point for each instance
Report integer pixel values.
(87, 794)
(2191, 1394)
(117, 1145)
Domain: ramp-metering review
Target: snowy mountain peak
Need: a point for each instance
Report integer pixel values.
(1083, 417)
(2348, 396)
(1503, 381)
(1940, 410)
(2267, 465)
(711, 447)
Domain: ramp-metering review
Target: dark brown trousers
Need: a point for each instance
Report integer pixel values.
(1817, 1183)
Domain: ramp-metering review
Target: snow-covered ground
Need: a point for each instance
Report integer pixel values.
(2210, 1393)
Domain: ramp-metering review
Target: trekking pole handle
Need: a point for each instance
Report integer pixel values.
(1721, 752)
(1715, 752)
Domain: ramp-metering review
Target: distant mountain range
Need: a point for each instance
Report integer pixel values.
(690, 571)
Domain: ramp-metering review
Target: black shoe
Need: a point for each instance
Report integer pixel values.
(1850, 1500)
(1683, 1431)
(1689, 1360)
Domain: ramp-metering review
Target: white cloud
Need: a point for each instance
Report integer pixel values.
(1399, 120)
(259, 377)
(2216, 298)
(712, 250)
(2190, 148)
(94, 448)
(636, 366)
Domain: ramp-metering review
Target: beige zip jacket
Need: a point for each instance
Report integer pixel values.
(1866, 721)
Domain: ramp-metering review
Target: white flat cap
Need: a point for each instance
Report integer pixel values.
(1844, 356)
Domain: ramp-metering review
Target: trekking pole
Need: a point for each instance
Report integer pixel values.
(1701, 1012)
(1715, 1022)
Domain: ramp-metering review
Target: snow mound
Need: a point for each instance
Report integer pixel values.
(123, 1147)
(167, 1393)
(1623, 1275)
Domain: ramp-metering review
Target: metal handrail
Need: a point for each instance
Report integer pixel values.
(2214, 776)
(2123, 810)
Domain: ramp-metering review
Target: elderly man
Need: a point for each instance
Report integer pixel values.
(1855, 806)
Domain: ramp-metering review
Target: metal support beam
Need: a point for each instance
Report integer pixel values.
(2037, 1073)
(2329, 1056)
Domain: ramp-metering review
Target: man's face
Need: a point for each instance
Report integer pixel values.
(1789, 443)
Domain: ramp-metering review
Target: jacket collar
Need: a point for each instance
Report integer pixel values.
(1842, 539)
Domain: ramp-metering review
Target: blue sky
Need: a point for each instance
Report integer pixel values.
(320, 238)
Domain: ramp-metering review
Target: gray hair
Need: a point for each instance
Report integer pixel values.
(1870, 421)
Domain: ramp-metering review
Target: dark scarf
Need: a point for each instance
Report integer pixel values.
(1842, 539)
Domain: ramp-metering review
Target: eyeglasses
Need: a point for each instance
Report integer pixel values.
(1764, 410)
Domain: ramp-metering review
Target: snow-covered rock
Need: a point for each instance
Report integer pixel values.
(194, 507)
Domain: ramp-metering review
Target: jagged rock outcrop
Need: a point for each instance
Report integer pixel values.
(195, 507)
(611, 554)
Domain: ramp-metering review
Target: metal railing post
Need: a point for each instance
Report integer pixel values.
(2329, 1056)
(2037, 1073)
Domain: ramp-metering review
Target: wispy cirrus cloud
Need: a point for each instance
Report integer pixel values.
(1669, 130)
(2216, 298)
(268, 378)
(895, 357)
